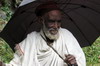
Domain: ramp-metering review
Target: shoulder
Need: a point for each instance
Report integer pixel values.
(28, 41)
(34, 33)
(30, 37)
(65, 32)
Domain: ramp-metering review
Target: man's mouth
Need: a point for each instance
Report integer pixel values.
(53, 31)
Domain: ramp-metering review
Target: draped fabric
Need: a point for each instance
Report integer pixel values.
(34, 51)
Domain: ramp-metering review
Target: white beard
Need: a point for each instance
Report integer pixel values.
(49, 35)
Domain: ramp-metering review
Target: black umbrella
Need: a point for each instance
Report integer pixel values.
(81, 17)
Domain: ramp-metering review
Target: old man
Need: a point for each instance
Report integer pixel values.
(52, 46)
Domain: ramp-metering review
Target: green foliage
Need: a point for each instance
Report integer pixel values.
(2, 23)
(6, 54)
(92, 53)
(7, 11)
(7, 3)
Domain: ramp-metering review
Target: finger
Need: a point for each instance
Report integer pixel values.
(66, 55)
(70, 55)
(73, 62)
(69, 58)
(70, 62)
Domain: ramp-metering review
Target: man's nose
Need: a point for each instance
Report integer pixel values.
(56, 25)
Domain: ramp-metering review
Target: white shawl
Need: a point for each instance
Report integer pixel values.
(34, 51)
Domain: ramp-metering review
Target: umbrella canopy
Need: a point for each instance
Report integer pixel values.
(81, 17)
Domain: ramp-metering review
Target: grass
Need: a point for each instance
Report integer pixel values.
(6, 54)
(93, 53)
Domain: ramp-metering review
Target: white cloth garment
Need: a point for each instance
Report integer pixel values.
(34, 51)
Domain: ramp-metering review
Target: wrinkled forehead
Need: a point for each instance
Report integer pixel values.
(54, 14)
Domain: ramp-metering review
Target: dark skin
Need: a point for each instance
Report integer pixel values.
(52, 19)
(70, 59)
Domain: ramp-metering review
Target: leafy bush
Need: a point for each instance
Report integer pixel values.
(6, 54)
(93, 52)
(7, 11)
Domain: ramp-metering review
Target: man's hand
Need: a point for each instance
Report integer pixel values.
(70, 59)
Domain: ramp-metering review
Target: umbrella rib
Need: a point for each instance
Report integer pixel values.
(88, 21)
(76, 26)
(57, 0)
(94, 2)
(83, 6)
(72, 9)
(67, 2)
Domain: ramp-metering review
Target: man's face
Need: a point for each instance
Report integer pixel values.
(52, 22)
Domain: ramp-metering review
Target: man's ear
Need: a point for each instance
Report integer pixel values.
(41, 20)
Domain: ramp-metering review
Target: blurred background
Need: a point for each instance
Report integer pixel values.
(7, 8)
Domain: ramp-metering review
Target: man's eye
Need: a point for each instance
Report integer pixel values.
(59, 21)
(54, 21)
(51, 20)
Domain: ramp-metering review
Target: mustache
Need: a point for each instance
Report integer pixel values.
(53, 29)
